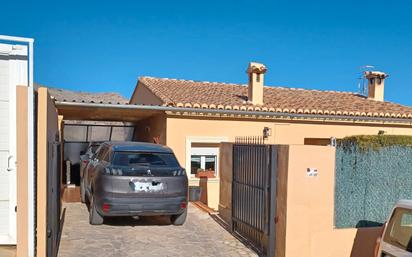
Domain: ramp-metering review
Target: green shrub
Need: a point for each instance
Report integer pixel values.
(374, 142)
(372, 174)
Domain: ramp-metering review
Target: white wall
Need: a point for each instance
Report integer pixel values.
(13, 72)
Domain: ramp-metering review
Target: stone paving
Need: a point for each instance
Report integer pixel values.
(148, 236)
(7, 251)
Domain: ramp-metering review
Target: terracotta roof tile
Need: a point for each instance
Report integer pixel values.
(280, 99)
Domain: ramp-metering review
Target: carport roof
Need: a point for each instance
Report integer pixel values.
(87, 106)
(64, 95)
(104, 112)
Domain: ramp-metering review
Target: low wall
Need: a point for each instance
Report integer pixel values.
(225, 195)
(210, 192)
(304, 205)
(307, 214)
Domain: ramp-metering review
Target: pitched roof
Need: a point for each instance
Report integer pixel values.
(64, 95)
(188, 93)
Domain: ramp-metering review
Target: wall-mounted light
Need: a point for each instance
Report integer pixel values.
(267, 132)
(333, 141)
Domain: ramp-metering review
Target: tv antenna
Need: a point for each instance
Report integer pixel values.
(362, 84)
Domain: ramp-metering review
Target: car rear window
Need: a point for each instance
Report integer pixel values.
(399, 230)
(130, 159)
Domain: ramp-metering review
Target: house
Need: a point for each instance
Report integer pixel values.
(209, 113)
(194, 118)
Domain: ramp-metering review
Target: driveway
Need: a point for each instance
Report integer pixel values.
(149, 236)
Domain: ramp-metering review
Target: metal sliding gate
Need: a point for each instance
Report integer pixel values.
(254, 195)
(53, 199)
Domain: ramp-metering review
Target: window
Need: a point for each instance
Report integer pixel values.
(399, 230)
(195, 164)
(130, 159)
(317, 141)
(257, 77)
(204, 159)
(210, 163)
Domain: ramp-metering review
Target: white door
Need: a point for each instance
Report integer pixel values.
(13, 72)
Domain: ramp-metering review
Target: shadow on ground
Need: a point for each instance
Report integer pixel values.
(141, 221)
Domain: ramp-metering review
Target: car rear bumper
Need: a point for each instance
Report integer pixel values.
(111, 206)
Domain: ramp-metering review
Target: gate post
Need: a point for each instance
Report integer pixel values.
(272, 210)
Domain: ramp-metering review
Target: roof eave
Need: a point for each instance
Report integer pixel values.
(240, 113)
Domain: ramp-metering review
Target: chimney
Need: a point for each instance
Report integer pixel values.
(376, 84)
(256, 73)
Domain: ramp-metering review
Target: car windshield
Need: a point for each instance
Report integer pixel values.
(132, 159)
(399, 230)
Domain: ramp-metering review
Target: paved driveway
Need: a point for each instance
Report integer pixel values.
(149, 236)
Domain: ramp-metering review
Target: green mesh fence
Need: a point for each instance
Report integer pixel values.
(369, 182)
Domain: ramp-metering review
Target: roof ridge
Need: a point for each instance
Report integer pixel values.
(196, 81)
(245, 85)
(88, 93)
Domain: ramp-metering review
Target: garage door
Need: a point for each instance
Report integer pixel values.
(13, 71)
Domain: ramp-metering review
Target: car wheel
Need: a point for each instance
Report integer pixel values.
(82, 192)
(180, 219)
(94, 217)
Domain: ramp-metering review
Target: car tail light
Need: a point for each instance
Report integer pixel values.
(183, 205)
(179, 172)
(114, 171)
(106, 207)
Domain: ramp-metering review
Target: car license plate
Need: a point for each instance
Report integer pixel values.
(148, 186)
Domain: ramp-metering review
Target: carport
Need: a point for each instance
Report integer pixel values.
(62, 123)
(82, 123)
(145, 123)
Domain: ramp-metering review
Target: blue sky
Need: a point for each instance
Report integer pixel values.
(106, 45)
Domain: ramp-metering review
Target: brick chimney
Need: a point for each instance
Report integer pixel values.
(256, 73)
(376, 84)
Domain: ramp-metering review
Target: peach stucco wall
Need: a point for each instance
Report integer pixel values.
(151, 128)
(142, 95)
(306, 204)
(295, 133)
(178, 129)
(309, 228)
(22, 171)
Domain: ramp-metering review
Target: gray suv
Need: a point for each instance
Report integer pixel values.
(135, 179)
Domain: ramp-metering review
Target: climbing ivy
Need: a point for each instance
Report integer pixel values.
(375, 142)
(372, 174)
